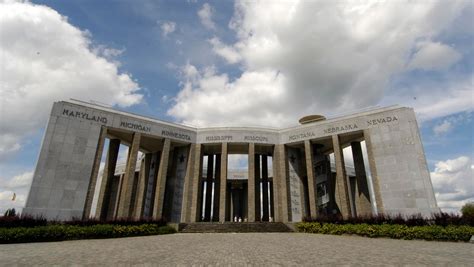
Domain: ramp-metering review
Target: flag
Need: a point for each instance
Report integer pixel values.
(14, 197)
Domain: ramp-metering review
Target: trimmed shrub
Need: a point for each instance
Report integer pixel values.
(441, 218)
(397, 231)
(30, 221)
(60, 232)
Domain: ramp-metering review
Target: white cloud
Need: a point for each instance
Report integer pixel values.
(21, 180)
(453, 183)
(309, 57)
(445, 99)
(434, 56)
(205, 14)
(443, 127)
(230, 54)
(18, 185)
(46, 59)
(168, 27)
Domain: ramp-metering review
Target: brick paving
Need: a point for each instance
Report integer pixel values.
(257, 249)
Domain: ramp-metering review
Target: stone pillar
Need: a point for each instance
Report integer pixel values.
(258, 180)
(141, 186)
(272, 205)
(362, 200)
(95, 172)
(196, 185)
(276, 206)
(161, 181)
(341, 179)
(283, 193)
(107, 176)
(223, 184)
(251, 183)
(187, 187)
(265, 214)
(217, 191)
(115, 202)
(209, 180)
(311, 179)
(125, 205)
(373, 171)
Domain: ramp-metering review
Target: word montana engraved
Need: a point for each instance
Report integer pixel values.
(181, 174)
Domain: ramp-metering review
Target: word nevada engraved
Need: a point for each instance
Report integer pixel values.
(340, 128)
(135, 126)
(84, 115)
(382, 120)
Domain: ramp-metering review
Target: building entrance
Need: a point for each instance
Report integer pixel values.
(238, 196)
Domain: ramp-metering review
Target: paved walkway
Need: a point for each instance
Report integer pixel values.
(239, 249)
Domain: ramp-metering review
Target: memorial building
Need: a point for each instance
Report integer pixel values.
(180, 173)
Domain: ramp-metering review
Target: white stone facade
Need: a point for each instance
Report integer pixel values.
(69, 151)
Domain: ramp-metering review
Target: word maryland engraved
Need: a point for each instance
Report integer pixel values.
(84, 115)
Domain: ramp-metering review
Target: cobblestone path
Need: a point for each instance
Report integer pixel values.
(286, 249)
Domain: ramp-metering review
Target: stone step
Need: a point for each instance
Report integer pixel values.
(232, 227)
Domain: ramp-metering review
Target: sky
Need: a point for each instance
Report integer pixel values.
(232, 63)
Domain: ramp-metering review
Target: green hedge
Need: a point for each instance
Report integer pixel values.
(431, 232)
(71, 232)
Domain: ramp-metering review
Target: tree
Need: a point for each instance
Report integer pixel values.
(10, 213)
(468, 211)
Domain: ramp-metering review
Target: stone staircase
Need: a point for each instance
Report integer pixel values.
(233, 227)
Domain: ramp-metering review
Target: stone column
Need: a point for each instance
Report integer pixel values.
(272, 205)
(187, 187)
(107, 176)
(373, 171)
(362, 200)
(251, 183)
(209, 178)
(95, 172)
(258, 180)
(283, 193)
(125, 204)
(217, 191)
(141, 186)
(161, 181)
(341, 179)
(265, 214)
(311, 179)
(115, 202)
(223, 184)
(196, 185)
(276, 206)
